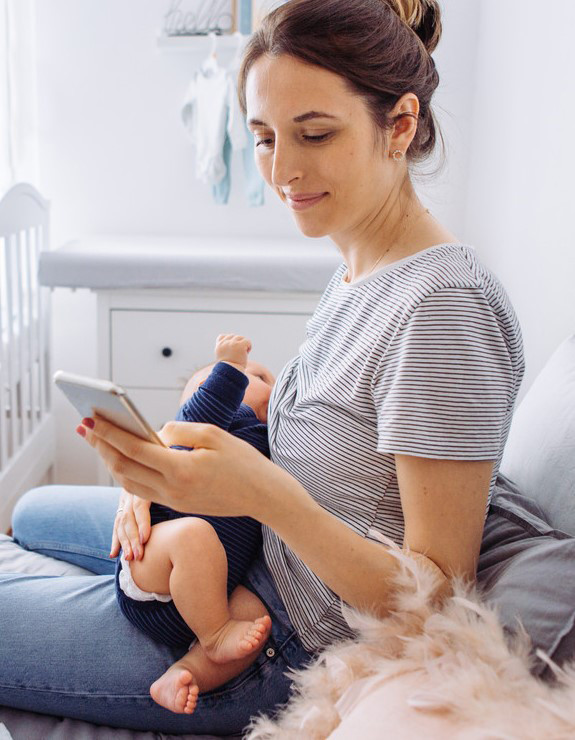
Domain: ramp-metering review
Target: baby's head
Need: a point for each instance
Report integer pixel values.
(257, 393)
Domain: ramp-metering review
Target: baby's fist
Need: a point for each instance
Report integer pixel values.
(233, 348)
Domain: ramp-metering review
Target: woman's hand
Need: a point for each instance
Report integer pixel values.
(223, 476)
(131, 527)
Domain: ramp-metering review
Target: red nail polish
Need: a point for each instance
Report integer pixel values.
(88, 423)
(81, 431)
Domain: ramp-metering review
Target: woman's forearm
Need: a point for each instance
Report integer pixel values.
(225, 476)
(361, 572)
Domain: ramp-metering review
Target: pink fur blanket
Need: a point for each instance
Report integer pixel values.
(426, 671)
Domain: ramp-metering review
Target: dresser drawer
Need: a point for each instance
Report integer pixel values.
(161, 349)
(157, 406)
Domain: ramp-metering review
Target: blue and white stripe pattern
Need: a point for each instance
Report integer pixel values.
(422, 358)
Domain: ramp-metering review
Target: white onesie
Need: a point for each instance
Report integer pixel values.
(133, 591)
(210, 101)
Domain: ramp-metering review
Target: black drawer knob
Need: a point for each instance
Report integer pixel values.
(167, 352)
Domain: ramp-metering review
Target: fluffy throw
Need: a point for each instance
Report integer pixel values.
(427, 670)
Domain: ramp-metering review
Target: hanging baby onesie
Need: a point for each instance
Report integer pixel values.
(217, 127)
(254, 184)
(207, 114)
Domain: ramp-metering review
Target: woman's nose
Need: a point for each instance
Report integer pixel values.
(287, 165)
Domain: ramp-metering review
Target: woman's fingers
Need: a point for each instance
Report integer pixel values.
(115, 548)
(129, 534)
(116, 544)
(143, 522)
(132, 519)
(127, 457)
(221, 477)
(128, 444)
(125, 543)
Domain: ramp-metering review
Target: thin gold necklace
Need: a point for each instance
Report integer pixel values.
(382, 255)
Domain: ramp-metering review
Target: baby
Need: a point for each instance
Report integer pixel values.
(179, 590)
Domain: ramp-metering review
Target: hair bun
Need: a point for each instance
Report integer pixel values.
(423, 17)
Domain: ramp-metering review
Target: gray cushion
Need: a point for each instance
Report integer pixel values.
(527, 570)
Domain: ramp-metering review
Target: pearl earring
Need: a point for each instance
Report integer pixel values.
(398, 155)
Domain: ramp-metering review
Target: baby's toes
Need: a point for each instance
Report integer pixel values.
(248, 643)
(192, 700)
(254, 637)
(180, 699)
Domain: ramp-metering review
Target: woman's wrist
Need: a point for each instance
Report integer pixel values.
(283, 501)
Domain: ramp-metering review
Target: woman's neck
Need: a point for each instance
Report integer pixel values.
(399, 229)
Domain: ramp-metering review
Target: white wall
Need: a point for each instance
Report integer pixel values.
(520, 198)
(115, 158)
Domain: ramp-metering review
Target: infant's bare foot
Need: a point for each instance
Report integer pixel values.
(237, 639)
(176, 690)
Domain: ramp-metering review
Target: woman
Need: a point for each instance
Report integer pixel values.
(392, 418)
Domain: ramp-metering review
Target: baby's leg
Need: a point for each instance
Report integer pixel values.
(184, 557)
(244, 606)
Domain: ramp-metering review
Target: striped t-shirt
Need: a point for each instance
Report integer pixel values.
(425, 358)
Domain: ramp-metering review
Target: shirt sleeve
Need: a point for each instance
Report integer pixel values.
(444, 388)
(246, 426)
(218, 399)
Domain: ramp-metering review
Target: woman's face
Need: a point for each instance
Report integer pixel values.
(316, 146)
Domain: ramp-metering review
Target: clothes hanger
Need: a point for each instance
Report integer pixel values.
(210, 64)
(241, 40)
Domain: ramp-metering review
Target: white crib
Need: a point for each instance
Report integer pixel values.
(26, 425)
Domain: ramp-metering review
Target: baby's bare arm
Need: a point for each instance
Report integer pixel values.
(233, 349)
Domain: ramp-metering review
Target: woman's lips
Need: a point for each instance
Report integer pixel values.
(303, 201)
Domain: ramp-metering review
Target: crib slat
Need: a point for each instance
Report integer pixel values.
(10, 360)
(3, 355)
(31, 365)
(19, 333)
(42, 328)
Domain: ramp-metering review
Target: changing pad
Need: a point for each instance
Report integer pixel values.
(207, 263)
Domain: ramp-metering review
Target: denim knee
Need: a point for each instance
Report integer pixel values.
(26, 513)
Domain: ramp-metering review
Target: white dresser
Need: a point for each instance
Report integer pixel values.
(161, 303)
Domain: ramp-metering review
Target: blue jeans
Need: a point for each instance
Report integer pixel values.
(66, 649)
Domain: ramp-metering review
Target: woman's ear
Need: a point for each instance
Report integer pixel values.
(405, 112)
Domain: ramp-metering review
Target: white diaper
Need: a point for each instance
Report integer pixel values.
(135, 592)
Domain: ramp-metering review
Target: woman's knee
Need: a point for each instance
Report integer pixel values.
(50, 513)
(30, 511)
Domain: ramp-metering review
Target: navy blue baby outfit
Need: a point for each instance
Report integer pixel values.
(217, 401)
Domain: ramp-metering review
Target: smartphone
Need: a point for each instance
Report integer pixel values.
(91, 396)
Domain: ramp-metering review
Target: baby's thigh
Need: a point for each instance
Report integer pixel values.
(170, 541)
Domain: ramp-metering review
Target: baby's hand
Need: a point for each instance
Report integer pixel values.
(234, 349)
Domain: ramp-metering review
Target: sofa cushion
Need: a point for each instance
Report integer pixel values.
(526, 570)
(540, 452)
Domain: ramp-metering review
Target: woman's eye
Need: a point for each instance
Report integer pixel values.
(317, 137)
(268, 142)
(264, 142)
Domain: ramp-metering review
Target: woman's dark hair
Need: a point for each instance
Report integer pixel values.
(381, 48)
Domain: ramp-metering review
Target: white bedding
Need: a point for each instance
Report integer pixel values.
(27, 725)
